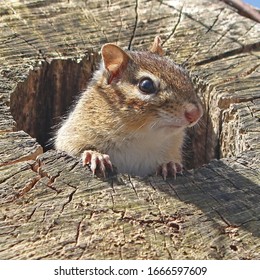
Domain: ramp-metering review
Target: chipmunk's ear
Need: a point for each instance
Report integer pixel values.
(157, 46)
(115, 60)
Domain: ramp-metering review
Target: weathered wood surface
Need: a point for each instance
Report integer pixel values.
(52, 208)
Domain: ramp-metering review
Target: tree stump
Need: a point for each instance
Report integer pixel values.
(53, 208)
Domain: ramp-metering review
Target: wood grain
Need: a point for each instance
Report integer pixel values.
(52, 208)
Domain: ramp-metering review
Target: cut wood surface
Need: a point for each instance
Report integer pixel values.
(53, 208)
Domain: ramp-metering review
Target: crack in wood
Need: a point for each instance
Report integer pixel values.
(188, 16)
(135, 25)
(215, 21)
(174, 190)
(244, 49)
(32, 213)
(37, 168)
(175, 27)
(28, 186)
(113, 201)
(25, 158)
(93, 212)
(244, 74)
(219, 39)
(29, 44)
(222, 218)
(70, 197)
(78, 233)
(132, 185)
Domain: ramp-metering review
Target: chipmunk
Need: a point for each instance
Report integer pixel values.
(133, 114)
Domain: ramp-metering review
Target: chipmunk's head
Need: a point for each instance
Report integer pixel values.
(153, 90)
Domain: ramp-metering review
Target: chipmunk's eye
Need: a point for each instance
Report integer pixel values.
(147, 86)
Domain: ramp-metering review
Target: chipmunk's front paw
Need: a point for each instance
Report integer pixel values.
(98, 163)
(169, 169)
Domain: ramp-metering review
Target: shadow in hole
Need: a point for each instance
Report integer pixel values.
(219, 190)
(39, 103)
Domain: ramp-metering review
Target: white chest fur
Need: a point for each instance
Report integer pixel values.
(143, 153)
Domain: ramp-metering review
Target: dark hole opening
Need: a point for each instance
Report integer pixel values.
(38, 103)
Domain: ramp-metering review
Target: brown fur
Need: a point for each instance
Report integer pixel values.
(114, 117)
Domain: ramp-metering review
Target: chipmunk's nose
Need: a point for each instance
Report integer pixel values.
(193, 113)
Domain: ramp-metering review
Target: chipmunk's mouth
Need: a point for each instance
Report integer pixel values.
(175, 124)
(172, 126)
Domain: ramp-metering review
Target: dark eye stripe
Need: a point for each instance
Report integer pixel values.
(147, 86)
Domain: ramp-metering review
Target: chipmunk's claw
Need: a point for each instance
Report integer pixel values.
(98, 163)
(169, 169)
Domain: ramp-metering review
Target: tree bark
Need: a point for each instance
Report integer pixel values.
(53, 208)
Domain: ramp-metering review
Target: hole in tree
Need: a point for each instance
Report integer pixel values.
(38, 104)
